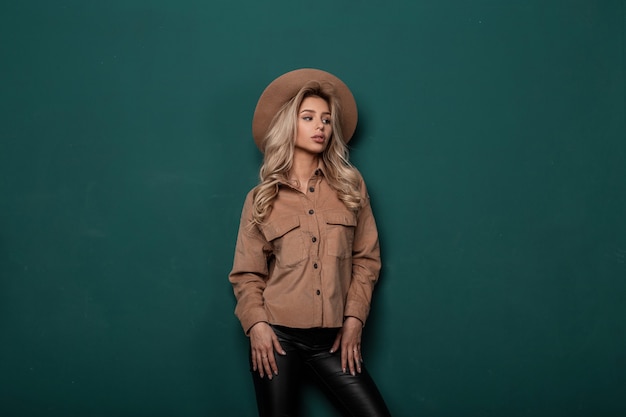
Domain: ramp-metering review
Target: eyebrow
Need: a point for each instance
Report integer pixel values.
(313, 111)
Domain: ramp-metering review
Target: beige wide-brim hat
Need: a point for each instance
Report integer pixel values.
(285, 87)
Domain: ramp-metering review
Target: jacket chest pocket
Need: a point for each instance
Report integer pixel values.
(285, 236)
(340, 227)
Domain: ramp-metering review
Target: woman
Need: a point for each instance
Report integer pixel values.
(307, 255)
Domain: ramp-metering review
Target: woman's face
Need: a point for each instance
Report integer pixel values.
(314, 126)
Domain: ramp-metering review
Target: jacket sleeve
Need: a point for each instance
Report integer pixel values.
(250, 270)
(366, 262)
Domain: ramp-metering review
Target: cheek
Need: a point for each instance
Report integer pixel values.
(299, 129)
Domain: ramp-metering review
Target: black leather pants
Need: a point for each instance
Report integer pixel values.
(308, 357)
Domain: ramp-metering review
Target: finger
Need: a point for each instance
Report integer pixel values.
(344, 358)
(272, 366)
(260, 366)
(254, 362)
(272, 358)
(358, 359)
(278, 347)
(266, 364)
(352, 360)
(336, 343)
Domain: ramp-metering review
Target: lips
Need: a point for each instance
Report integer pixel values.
(318, 138)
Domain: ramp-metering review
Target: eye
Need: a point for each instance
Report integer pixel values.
(307, 118)
(326, 121)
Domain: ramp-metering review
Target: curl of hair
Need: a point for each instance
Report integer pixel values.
(279, 142)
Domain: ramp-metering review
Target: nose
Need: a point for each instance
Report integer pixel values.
(320, 125)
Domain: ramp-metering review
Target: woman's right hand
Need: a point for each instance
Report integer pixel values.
(263, 343)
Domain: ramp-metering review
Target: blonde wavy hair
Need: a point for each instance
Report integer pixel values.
(279, 142)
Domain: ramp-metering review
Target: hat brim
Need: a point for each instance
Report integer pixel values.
(285, 87)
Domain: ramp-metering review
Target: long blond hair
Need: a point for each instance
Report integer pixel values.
(279, 148)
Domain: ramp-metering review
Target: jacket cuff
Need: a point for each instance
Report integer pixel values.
(359, 312)
(251, 318)
(346, 317)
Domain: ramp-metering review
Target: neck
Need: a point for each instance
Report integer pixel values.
(303, 166)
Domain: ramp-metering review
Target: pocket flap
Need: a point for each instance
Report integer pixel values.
(280, 227)
(344, 218)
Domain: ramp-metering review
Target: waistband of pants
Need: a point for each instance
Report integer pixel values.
(314, 337)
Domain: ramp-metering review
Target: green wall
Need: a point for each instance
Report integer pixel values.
(493, 140)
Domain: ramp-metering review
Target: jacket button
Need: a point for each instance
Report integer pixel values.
(311, 189)
(315, 265)
(314, 239)
(311, 211)
(318, 292)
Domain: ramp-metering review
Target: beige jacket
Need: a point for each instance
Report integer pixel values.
(311, 264)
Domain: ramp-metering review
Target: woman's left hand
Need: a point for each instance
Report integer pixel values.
(349, 338)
